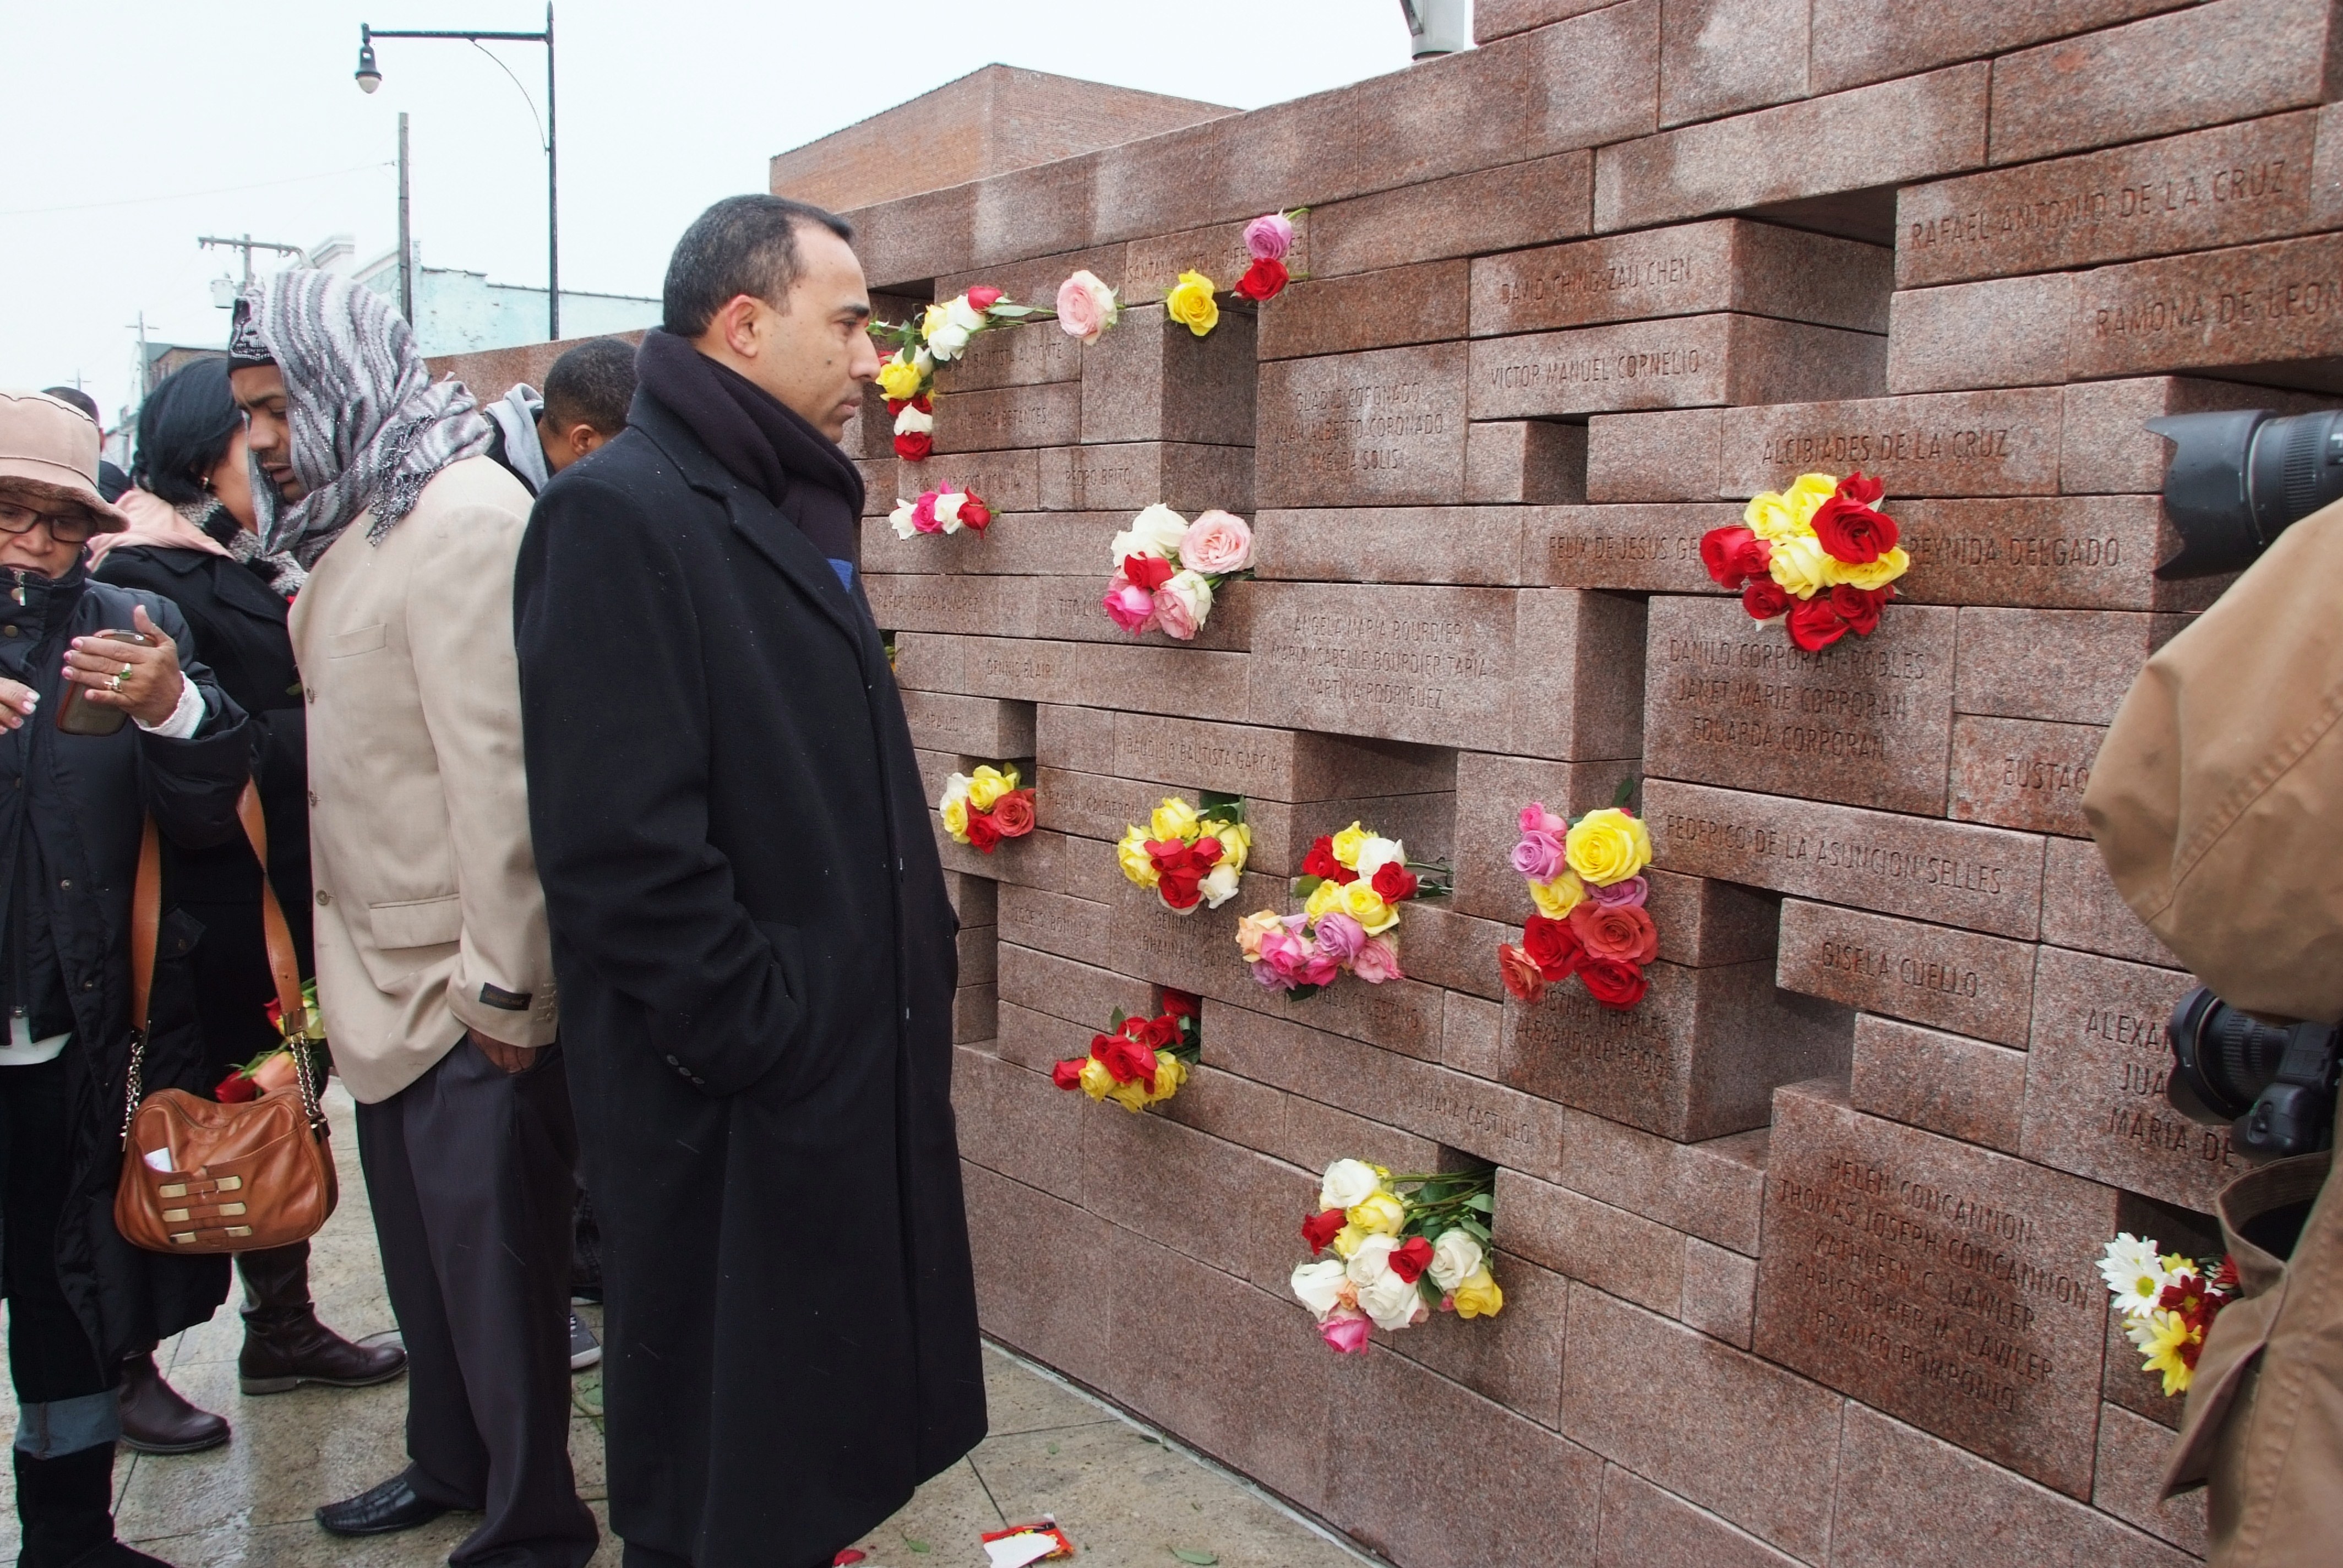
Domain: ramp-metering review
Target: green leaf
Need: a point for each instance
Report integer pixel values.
(1114, 1025)
(1625, 792)
(1190, 1554)
(1053, 1451)
(1432, 1293)
(1306, 885)
(1482, 1201)
(916, 1545)
(1226, 808)
(1304, 992)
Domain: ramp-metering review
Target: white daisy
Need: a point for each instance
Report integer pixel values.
(2133, 1273)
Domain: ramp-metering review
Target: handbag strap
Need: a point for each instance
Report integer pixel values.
(146, 921)
(283, 965)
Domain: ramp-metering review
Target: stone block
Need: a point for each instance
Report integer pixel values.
(1031, 354)
(1032, 278)
(1473, 546)
(2082, 909)
(1081, 739)
(2275, 309)
(1642, 1524)
(1065, 987)
(1946, 1084)
(1464, 111)
(1765, 1452)
(2106, 446)
(1272, 764)
(2129, 1481)
(1685, 269)
(2095, 1080)
(1029, 543)
(1496, 19)
(1721, 56)
(2000, 332)
(1524, 460)
(978, 951)
(1858, 41)
(1609, 1249)
(2199, 65)
(975, 1014)
(1044, 207)
(1009, 482)
(1098, 809)
(984, 727)
(1951, 1286)
(2022, 773)
(1720, 1292)
(1068, 608)
(1491, 791)
(2203, 190)
(1017, 1123)
(1893, 1482)
(1151, 379)
(1728, 700)
(903, 243)
(1225, 170)
(1425, 303)
(1644, 549)
(1713, 1189)
(1456, 951)
(1674, 362)
(1005, 605)
(1055, 923)
(1919, 127)
(1008, 417)
(1231, 1107)
(1461, 215)
(974, 900)
(2069, 665)
(1928, 444)
(1379, 429)
(2069, 552)
(1127, 476)
(1966, 981)
(1673, 455)
(1037, 1041)
(1953, 873)
(1153, 263)
(1084, 674)
(1594, 79)
(1238, 1208)
(1699, 1057)
(1317, 1134)
(1579, 692)
(1030, 1291)
(1513, 1357)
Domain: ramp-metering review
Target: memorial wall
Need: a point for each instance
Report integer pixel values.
(1799, 1251)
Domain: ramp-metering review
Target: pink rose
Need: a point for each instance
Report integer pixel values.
(1128, 605)
(1216, 544)
(1346, 1330)
(923, 515)
(1173, 615)
(1269, 237)
(1629, 894)
(1536, 818)
(1377, 961)
(1086, 307)
(1539, 854)
(1339, 936)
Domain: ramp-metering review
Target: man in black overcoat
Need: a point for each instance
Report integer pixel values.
(749, 928)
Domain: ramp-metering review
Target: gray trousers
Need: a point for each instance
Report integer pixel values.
(468, 1171)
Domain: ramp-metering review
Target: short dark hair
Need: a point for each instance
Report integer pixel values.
(592, 385)
(185, 428)
(742, 245)
(79, 399)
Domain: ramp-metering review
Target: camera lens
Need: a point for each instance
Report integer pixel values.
(2221, 1058)
(2239, 477)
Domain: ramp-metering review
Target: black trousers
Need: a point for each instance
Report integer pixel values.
(65, 1398)
(468, 1170)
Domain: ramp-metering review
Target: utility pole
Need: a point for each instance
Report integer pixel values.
(146, 365)
(406, 245)
(249, 244)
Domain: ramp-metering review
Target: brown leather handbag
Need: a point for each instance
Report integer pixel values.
(198, 1176)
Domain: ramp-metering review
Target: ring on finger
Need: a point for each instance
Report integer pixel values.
(119, 674)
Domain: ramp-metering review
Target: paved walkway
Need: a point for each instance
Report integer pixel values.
(1120, 1491)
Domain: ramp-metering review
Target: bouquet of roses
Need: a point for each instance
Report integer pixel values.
(2168, 1302)
(1352, 886)
(907, 375)
(1267, 240)
(1817, 555)
(983, 807)
(942, 510)
(273, 1069)
(1405, 1247)
(1167, 569)
(1139, 1061)
(1585, 878)
(1189, 856)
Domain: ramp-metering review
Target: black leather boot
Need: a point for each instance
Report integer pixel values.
(65, 1508)
(285, 1345)
(158, 1418)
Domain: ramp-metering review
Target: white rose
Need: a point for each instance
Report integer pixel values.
(1195, 592)
(1390, 1300)
(1347, 1184)
(1220, 885)
(912, 421)
(1157, 531)
(1375, 853)
(948, 507)
(956, 788)
(1372, 1262)
(901, 518)
(1455, 1258)
(946, 343)
(959, 313)
(1319, 1285)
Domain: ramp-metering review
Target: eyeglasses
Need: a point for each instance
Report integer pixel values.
(66, 528)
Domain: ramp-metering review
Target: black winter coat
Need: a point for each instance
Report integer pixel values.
(87, 798)
(755, 960)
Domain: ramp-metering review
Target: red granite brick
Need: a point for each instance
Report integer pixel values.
(1966, 981)
(1858, 41)
(2003, 332)
(1930, 444)
(1609, 1249)
(1721, 56)
(1720, 1292)
(1524, 460)
(1676, 362)
(2273, 308)
(1684, 269)
(1946, 1084)
(1474, 546)
(1672, 455)
(2129, 1484)
(2082, 909)
(1463, 214)
(2069, 665)
(2022, 773)
(1513, 1357)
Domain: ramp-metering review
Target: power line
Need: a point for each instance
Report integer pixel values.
(188, 196)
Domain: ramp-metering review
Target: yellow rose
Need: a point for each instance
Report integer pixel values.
(932, 319)
(1173, 821)
(1236, 843)
(1378, 1214)
(1801, 565)
(1349, 842)
(1097, 1081)
(1325, 897)
(1806, 497)
(1170, 1073)
(1768, 517)
(1191, 302)
(1347, 1241)
(899, 379)
(1365, 905)
(1608, 846)
(955, 814)
(1872, 574)
(1131, 1096)
(989, 784)
(1478, 1296)
(1251, 928)
(1137, 864)
(1557, 899)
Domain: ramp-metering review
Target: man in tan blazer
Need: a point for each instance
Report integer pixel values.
(433, 970)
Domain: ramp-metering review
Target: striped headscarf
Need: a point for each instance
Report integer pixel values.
(369, 425)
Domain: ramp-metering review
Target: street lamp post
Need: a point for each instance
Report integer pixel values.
(369, 77)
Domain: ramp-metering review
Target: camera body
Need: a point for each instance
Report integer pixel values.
(2274, 1084)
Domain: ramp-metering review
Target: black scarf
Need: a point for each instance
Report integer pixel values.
(768, 446)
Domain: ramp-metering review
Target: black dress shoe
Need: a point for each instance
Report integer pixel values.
(379, 1510)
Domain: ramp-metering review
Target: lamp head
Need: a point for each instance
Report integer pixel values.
(369, 74)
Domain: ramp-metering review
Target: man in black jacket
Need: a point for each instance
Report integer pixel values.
(750, 928)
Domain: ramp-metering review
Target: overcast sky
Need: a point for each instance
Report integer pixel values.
(138, 125)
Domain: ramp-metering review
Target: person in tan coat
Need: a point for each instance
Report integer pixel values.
(434, 974)
(2218, 804)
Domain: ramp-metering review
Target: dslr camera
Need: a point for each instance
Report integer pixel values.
(2274, 1084)
(2240, 477)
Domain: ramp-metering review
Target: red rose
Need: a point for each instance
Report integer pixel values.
(1321, 862)
(1815, 625)
(974, 514)
(1613, 982)
(1206, 851)
(1859, 608)
(1181, 887)
(1180, 1003)
(984, 832)
(1013, 814)
(1150, 572)
(1520, 973)
(1159, 1033)
(1765, 599)
(915, 447)
(1393, 883)
(1721, 552)
(983, 297)
(236, 1089)
(1321, 1229)
(1620, 931)
(1862, 489)
(1125, 1060)
(1552, 945)
(1410, 1260)
(1068, 1074)
(1852, 532)
(1262, 280)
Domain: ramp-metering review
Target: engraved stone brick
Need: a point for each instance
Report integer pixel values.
(970, 726)
(1529, 460)
(1661, 457)
(1954, 873)
(2071, 552)
(1721, 56)
(2232, 185)
(1475, 545)
(1609, 1249)
(1064, 988)
(1153, 263)
(2277, 308)
(1647, 548)
(2001, 332)
(1187, 476)
(1055, 923)
(1699, 1058)
(909, 601)
(1022, 355)
(1047, 416)
(1930, 444)
(2095, 1078)
(1948, 1083)
(1008, 482)
(1687, 270)
(1425, 303)
(1096, 675)
(1461, 215)
(2070, 666)
(1966, 981)
(1942, 1283)
(1866, 720)
(2022, 773)
(1675, 362)
(1151, 379)
(1277, 764)
(2082, 909)
(1380, 428)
